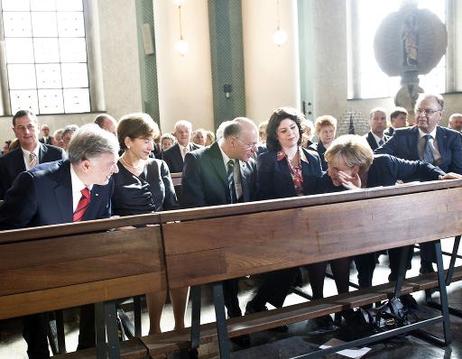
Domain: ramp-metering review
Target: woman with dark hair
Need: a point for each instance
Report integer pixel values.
(285, 170)
(142, 185)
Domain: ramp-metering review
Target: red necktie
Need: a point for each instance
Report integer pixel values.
(82, 205)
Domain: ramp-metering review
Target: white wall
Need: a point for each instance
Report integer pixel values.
(271, 72)
(121, 75)
(184, 82)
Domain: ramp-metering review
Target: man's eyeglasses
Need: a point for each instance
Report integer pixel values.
(247, 145)
(426, 111)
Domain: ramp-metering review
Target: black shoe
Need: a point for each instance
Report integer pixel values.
(323, 324)
(252, 307)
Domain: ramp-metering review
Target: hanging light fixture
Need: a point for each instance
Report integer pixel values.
(279, 36)
(181, 45)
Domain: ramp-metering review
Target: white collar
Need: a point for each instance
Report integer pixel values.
(35, 151)
(433, 133)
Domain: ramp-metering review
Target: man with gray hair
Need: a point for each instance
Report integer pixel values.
(107, 122)
(65, 191)
(174, 156)
(223, 173)
(455, 122)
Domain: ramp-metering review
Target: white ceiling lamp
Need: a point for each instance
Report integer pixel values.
(279, 36)
(181, 45)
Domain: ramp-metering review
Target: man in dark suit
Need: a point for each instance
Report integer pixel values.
(220, 174)
(398, 119)
(29, 153)
(46, 138)
(175, 155)
(377, 123)
(431, 143)
(63, 192)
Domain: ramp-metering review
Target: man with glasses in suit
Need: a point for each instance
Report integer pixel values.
(429, 142)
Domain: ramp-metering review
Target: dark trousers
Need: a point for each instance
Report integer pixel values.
(275, 288)
(230, 291)
(87, 327)
(35, 328)
(365, 265)
(395, 257)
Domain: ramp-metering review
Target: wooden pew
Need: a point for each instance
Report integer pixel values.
(63, 266)
(227, 242)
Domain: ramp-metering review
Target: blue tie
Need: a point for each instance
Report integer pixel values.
(381, 142)
(231, 185)
(428, 153)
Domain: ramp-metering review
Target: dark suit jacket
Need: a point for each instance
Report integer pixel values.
(204, 180)
(43, 196)
(274, 179)
(49, 140)
(389, 131)
(404, 142)
(174, 159)
(372, 142)
(12, 164)
(386, 170)
(321, 150)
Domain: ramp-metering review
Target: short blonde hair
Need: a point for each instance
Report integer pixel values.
(353, 149)
(325, 120)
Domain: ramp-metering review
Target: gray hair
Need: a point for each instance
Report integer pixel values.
(91, 141)
(438, 98)
(70, 129)
(234, 127)
(183, 123)
(221, 129)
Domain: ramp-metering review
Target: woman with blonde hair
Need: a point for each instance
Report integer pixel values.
(325, 128)
(351, 164)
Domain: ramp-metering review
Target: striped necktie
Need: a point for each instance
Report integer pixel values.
(231, 184)
(32, 160)
(428, 150)
(82, 206)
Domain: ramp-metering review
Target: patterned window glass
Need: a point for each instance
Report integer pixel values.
(46, 54)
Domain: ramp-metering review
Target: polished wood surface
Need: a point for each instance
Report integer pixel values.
(294, 232)
(46, 273)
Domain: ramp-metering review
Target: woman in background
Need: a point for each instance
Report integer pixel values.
(325, 128)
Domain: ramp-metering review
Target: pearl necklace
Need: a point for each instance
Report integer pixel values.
(137, 169)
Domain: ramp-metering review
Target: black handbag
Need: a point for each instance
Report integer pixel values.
(392, 314)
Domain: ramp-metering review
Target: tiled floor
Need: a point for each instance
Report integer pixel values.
(281, 345)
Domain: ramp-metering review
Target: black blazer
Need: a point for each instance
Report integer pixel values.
(386, 170)
(274, 179)
(204, 180)
(372, 142)
(404, 142)
(43, 196)
(48, 141)
(12, 164)
(174, 159)
(321, 150)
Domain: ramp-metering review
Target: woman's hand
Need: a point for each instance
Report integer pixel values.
(350, 182)
(450, 175)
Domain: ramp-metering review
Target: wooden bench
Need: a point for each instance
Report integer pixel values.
(63, 266)
(227, 242)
